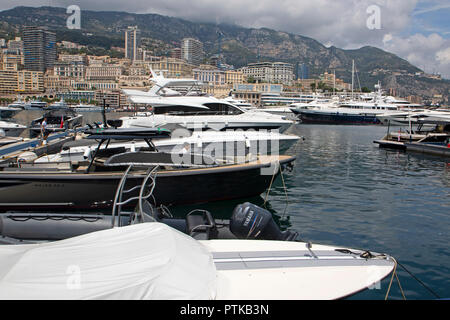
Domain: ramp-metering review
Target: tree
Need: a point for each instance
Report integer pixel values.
(251, 79)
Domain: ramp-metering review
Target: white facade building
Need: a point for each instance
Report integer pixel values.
(270, 72)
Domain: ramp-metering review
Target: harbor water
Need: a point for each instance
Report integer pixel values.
(346, 191)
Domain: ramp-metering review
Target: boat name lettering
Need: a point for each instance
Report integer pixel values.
(49, 185)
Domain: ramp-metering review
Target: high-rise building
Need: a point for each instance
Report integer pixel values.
(303, 71)
(132, 43)
(192, 51)
(39, 48)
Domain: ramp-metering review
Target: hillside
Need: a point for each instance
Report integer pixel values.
(239, 45)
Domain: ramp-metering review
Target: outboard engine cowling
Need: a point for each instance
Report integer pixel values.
(252, 222)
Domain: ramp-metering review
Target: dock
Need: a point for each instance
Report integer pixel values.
(436, 150)
(384, 143)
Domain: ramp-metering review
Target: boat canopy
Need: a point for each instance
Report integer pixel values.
(148, 261)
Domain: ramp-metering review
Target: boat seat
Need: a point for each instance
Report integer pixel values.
(200, 225)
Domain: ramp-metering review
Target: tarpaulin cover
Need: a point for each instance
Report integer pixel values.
(145, 261)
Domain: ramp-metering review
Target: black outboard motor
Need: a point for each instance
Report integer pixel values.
(252, 222)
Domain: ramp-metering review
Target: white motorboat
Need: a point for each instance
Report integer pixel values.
(154, 261)
(414, 117)
(35, 105)
(19, 104)
(192, 111)
(6, 113)
(346, 113)
(240, 103)
(58, 105)
(87, 108)
(11, 129)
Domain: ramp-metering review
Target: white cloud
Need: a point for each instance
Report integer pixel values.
(443, 56)
(430, 53)
(340, 23)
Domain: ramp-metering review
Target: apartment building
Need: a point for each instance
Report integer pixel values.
(80, 58)
(39, 48)
(234, 77)
(54, 83)
(114, 99)
(95, 85)
(192, 51)
(132, 43)
(270, 72)
(24, 81)
(103, 72)
(172, 67)
(72, 69)
(210, 75)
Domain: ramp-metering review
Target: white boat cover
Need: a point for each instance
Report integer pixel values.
(144, 261)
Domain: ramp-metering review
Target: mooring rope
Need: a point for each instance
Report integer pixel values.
(270, 185)
(419, 281)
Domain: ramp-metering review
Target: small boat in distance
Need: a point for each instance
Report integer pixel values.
(19, 103)
(58, 105)
(88, 108)
(35, 105)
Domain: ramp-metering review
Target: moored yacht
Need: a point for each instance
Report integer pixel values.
(182, 177)
(217, 144)
(87, 108)
(35, 105)
(169, 106)
(11, 129)
(346, 113)
(57, 120)
(17, 104)
(404, 117)
(58, 105)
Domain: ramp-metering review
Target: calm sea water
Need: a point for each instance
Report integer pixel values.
(345, 191)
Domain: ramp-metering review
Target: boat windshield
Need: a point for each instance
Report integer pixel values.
(211, 109)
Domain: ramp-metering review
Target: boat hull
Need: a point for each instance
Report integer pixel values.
(50, 191)
(338, 118)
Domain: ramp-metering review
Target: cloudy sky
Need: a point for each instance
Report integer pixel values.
(417, 30)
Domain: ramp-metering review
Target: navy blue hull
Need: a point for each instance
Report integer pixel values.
(317, 118)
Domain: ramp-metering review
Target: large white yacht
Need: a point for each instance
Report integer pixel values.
(194, 112)
(416, 116)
